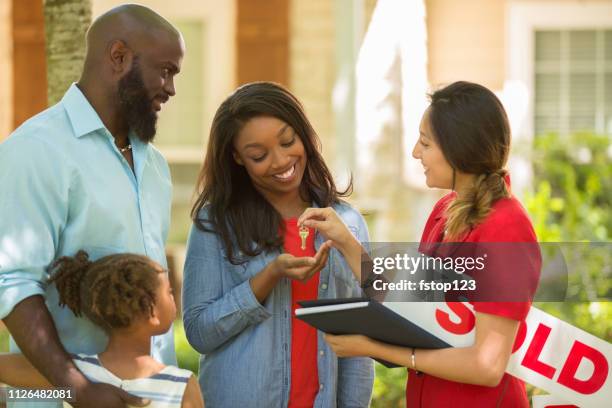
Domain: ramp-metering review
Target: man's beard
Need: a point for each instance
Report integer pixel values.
(135, 104)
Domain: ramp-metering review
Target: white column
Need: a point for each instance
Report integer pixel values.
(391, 87)
(348, 16)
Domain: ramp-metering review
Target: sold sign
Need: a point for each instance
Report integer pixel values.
(569, 363)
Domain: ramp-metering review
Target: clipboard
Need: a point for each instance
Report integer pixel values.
(369, 318)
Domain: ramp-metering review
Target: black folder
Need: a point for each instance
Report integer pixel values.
(369, 318)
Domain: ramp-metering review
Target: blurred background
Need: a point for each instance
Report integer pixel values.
(362, 69)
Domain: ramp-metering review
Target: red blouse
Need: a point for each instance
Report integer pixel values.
(507, 222)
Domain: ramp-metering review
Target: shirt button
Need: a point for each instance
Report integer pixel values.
(321, 352)
(324, 286)
(320, 386)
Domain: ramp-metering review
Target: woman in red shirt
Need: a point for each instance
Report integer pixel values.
(463, 146)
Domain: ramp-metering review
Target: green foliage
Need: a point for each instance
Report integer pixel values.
(573, 198)
(389, 387)
(187, 357)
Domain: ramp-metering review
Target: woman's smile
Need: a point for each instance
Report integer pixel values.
(287, 175)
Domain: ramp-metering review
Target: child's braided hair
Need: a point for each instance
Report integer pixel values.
(113, 291)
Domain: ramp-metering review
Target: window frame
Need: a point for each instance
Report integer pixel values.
(523, 19)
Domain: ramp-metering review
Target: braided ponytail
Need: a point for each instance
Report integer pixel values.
(475, 205)
(471, 127)
(69, 274)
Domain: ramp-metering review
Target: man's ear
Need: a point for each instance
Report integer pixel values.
(237, 158)
(121, 57)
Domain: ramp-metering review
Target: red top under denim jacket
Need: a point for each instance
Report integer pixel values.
(304, 371)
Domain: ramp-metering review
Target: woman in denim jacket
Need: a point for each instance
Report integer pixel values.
(244, 267)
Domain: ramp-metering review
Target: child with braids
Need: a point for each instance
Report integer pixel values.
(130, 297)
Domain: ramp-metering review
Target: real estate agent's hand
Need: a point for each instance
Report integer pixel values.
(330, 225)
(350, 345)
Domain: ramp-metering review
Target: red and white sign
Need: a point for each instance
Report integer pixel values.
(569, 363)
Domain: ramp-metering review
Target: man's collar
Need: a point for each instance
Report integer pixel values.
(83, 118)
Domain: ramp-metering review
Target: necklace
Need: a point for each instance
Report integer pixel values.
(126, 148)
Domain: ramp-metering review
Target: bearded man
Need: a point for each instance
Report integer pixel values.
(84, 175)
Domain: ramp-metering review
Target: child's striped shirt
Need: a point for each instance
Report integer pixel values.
(165, 389)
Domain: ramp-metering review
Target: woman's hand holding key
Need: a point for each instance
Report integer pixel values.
(302, 268)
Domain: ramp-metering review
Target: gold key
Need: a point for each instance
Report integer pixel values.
(303, 235)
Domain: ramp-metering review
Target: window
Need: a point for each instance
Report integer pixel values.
(573, 81)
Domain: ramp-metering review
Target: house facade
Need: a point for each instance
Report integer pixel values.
(362, 68)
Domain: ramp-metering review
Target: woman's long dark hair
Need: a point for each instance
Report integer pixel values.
(471, 127)
(242, 217)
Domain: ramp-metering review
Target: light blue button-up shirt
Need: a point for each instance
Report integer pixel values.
(65, 186)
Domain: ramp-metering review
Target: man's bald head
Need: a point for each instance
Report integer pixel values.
(133, 55)
(137, 26)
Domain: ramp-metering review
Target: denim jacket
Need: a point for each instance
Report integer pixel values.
(246, 346)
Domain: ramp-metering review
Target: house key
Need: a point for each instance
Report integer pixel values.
(303, 235)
